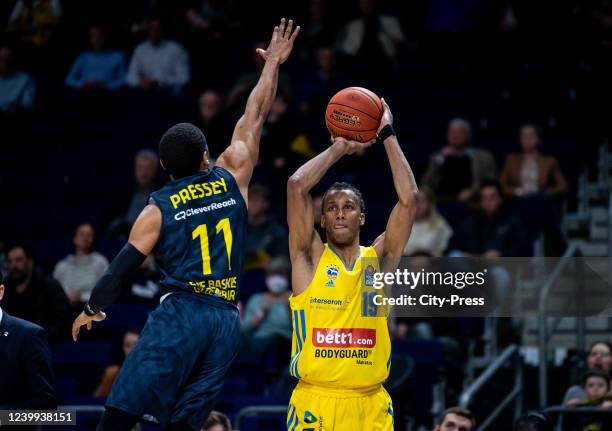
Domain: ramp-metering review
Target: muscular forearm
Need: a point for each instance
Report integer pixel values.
(403, 178)
(309, 174)
(261, 98)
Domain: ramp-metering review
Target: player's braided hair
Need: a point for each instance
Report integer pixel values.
(181, 149)
(344, 186)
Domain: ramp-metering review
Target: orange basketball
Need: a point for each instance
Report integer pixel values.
(354, 113)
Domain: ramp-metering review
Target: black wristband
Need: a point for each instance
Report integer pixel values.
(385, 132)
(88, 310)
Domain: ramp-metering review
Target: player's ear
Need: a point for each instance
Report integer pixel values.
(361, 219)
(161, 163)
(205, 160)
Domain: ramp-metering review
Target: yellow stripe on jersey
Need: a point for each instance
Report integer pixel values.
(334, 344)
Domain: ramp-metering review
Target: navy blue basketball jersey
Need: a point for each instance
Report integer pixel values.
(203, 234)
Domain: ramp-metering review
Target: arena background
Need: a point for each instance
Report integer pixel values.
(67, 157)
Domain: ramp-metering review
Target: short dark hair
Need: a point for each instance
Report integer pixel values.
(344, 186)
(27, 249)
(217, 418)
(181, 149)
(492, 183)
(600, 374)
(459, 411)
(534, 421)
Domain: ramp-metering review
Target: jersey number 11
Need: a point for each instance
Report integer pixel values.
(202, 232)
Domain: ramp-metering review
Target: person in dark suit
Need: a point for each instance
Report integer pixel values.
(26, 376)
(33, 296)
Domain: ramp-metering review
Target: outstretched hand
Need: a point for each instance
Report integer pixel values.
(351, 147)
(281, 44)
(84, 319)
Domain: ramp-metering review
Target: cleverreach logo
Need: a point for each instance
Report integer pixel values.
(326, 301)
(182, 215)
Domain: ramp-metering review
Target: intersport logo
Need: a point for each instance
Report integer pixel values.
(344, 337)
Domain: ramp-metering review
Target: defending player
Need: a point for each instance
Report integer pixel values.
(340, 357)
(196, 225)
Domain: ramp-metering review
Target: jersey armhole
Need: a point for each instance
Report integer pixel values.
(230, 175)
(299, 295)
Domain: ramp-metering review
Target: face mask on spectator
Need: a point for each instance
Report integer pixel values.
(277, 283)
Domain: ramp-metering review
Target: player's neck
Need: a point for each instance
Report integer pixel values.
(348, 254)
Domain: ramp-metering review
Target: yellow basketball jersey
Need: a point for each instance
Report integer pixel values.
(333, 344)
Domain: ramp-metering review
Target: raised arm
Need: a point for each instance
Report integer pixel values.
(305, 245)
(392, 241)
(241, 156)
(143, 237)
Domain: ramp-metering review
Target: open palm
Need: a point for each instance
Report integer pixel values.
(281, 44)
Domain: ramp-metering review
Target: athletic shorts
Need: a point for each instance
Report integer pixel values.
(176, 370)
(315, 408)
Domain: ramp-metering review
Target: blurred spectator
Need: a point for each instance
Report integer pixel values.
(373, 38)
(492, 231)
(456, 419)
(598, 358)
(529, 172)
(283, 148)
(267, 317)
(146, 165)
(596, 385)
(17, 89)
(142, 286)
(79, 272)
(430, 231)
(318, 28)
(34, 20)
(137, 16)
(207, 14)
(316, 90)
(266, 238)
(537, 186)
(33, 296)
(217, 421)
(99, 68)
(457, 171)
(239, 93)
(534, 421)
(158, 62)
(130, 338)
(26, 373)
(217, 131)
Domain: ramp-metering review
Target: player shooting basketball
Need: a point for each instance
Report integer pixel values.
(196, 225)
(340, 357)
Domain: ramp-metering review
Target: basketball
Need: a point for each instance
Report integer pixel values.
(354, 113)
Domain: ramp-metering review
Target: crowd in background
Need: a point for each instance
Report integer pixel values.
(61, 56)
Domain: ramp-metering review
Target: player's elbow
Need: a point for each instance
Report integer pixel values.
(407, 199)
(296, 184)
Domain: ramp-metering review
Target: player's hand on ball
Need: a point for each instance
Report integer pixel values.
(351, 147)
(281, 44)
(84, 319)
(387, 117)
